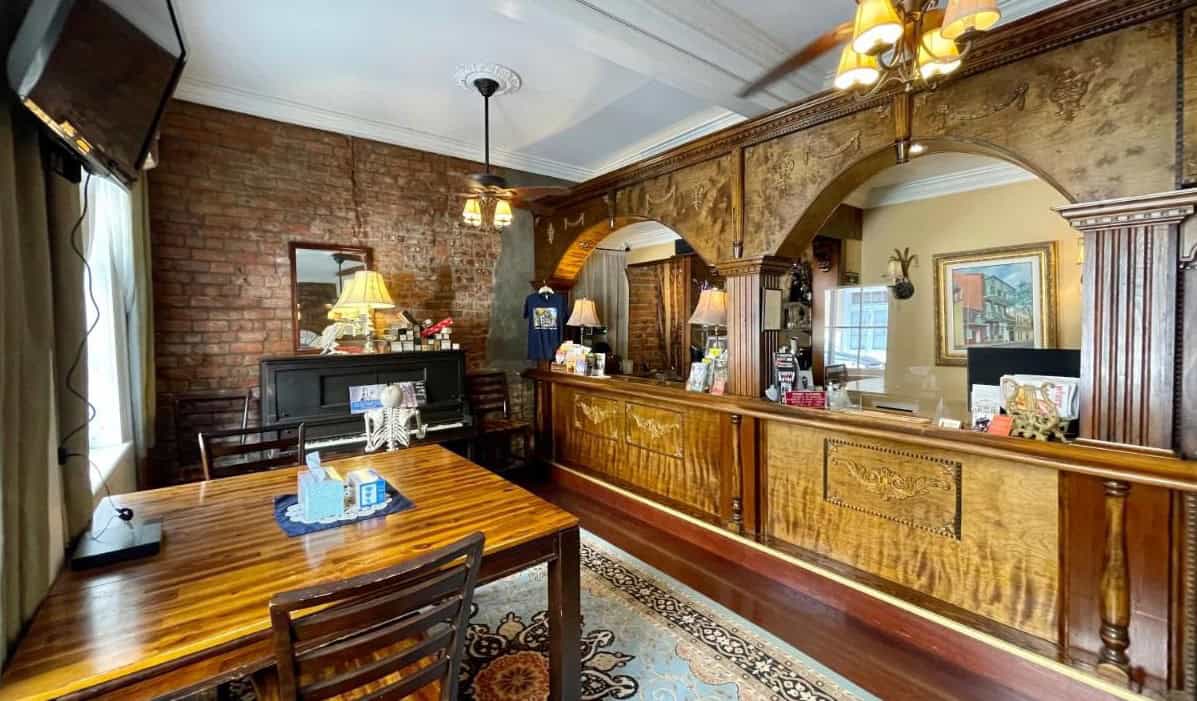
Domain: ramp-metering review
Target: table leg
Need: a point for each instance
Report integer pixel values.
(565, 619)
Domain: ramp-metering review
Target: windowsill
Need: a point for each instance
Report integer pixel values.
(111, 461)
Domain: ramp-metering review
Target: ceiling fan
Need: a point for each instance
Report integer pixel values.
(912, 42)
(490, 191)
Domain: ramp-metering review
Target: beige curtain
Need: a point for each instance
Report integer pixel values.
(138, 298)
(31, 501)
(604, 279)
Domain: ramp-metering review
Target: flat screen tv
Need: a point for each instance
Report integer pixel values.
(99, 73)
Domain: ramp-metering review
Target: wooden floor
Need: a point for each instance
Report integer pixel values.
(875, 660)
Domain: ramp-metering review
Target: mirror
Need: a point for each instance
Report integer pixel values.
(928, 260)
(646, 282)
(318, 273)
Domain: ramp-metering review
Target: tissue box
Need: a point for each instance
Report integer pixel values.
(366, 488)
(321, 496)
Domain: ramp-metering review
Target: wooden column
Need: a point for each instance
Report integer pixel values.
(1130, 316)
(737, 523)
(1113, 661)
(749, 346)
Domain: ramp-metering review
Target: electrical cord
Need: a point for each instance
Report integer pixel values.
(123, 513)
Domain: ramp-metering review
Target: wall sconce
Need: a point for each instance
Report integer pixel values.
(900, 285)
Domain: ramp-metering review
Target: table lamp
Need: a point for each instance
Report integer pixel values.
(584, 315)
(711, 311)
(365, 293)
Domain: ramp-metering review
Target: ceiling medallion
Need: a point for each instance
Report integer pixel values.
(509, 81)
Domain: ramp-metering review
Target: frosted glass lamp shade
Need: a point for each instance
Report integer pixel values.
(712, 308)
(472, 214)
(365, 292)
(964, 15)
(878, 27)
(856, 70)
(503, 214)
(584, 314)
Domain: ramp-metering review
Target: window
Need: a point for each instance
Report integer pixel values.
(856, 329)
(107, 238)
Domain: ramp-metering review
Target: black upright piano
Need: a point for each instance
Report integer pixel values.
(314, 390)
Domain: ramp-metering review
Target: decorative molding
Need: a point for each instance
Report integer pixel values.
(1160, 208)
(509, 81)
(291, 112)
(757, 265)
(683, 132)
(940, 185)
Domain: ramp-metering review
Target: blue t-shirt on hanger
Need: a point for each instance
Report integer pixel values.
(546, 323)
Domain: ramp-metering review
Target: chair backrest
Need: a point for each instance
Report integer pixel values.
(196, 412)
(390, 633)
(239, 451)
(487, 391)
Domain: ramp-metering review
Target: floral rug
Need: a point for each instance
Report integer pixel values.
(645, 636)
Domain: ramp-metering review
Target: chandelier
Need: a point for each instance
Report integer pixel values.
(912, 42)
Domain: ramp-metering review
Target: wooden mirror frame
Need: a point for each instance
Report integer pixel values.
(294, 246)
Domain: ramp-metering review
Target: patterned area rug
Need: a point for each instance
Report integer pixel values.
(645, 636)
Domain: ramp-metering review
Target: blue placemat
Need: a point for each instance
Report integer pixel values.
(394, 503)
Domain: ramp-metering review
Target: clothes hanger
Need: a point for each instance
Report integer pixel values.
(544, 288)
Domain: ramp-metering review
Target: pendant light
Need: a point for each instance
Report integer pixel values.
(938, 55)
(963, 16)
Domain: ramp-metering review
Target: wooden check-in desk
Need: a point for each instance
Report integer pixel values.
(967, 527)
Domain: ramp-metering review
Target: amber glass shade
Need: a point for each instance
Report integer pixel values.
(856, 69)
(878, 27)
(938, 55)
(964, 15)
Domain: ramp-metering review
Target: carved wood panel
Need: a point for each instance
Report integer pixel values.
(783, 176)
(695, 201)
(1096, 118)
(910, 488)
(1189, 104)
(1004, 566)
(674, 453)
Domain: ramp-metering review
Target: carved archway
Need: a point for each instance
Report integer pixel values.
(567, 267)
(847, 180)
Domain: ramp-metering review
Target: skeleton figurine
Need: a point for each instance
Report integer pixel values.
(389, 425)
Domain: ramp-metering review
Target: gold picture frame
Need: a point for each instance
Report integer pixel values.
(1007, 299)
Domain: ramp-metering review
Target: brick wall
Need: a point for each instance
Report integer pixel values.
(644, 325)
(232, 190)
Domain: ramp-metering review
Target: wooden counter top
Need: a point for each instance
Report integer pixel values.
(1136, 466)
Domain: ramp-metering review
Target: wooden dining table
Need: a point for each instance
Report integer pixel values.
(195, 614)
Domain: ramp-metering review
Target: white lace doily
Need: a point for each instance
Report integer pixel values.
(294, 513)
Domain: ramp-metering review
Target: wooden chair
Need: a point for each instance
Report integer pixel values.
(280, 451)
(394, 634)
(489, 401)
(196, 412)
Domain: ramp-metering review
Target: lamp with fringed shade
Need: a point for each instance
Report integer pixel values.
(711, 309)
(365, 293)
(585, 315)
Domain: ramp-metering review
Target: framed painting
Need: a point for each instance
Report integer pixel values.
(997, 297)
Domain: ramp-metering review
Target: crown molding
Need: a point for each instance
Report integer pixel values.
(291, 112)
(705, 122)
(939, 185)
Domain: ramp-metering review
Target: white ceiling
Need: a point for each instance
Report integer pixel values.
(605, 83)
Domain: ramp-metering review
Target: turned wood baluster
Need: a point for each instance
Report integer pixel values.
(1113, 662)
(738, 470)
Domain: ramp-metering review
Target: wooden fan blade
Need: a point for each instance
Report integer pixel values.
(534, 192)
(800, 58)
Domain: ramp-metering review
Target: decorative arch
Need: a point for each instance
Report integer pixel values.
(579, 249)
(843, 183)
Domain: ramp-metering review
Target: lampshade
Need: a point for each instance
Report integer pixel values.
(878, 27)
(502, 213)
(365, 292)
(584, 314)
(472, 214)
(856, 69)
(938, 55)
(963, 15)
(712, 308)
